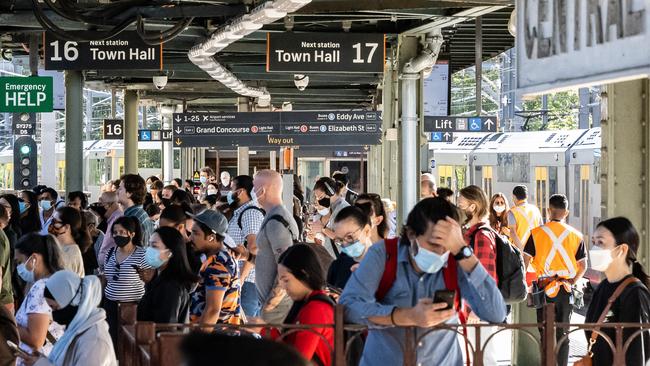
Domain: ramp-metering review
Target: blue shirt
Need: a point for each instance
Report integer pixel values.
(384, 344)
(146, 224)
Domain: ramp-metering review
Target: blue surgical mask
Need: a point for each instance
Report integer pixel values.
(152, 257)
(230, 198)
(25, 274)
(203, 180)
(354, 250)
(45, 205)
(22, 207)
(253, 195)
(429, 261)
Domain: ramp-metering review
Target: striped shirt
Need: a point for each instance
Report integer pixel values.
(123, 283)
(251, 223)
(146, 224)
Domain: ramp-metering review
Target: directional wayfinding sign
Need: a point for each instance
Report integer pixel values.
(26, 94)
(154, 135)
(442, 136)
(260, 129)
(325, 52)
(460, 124)
(124, 51)
(113, 129)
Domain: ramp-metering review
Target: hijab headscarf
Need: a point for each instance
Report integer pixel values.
(68, 288)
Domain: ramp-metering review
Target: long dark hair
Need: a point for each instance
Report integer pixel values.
(329, 186)
(32, 220)
(377, 207)
(44, 245)
(429, 210)
(14, 220)
(303, 263)
(78, 228)
(178, 267)
(624, 233)
(495, 219)
(132, 225)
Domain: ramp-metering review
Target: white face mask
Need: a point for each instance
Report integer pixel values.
(212, 191)
(600, 258)
(324, 211)
(499, 209)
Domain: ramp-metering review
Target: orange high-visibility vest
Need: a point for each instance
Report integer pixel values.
(527, 217)
(556, 245)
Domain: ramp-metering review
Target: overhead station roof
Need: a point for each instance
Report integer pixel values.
(247, 57)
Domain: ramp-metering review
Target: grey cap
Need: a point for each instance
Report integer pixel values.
(213, 220)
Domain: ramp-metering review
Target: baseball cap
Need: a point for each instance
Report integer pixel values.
(216, 222)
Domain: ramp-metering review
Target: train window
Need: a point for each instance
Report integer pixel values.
(484, 175)
(444, 176)
(96, 172)
(177, 158)
(584, 196)
(542, 190)
(151, 159)
(460, 173)
(513, 167)
(576, 191)
(552, 180)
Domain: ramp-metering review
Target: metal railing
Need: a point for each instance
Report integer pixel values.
(149, 344)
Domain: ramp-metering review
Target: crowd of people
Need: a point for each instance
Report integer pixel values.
(230, 251)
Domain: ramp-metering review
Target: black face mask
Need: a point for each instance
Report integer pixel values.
(101, 211)
(121, 241)
(65, 315)
(325, 202)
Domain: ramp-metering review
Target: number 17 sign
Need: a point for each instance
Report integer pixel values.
(325, 52)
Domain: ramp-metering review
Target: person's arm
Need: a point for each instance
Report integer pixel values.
(252, 248)
(512, 224)
(581, 260)
(529, 252)
(213, 303)
(106, 246)
(283, 240)
(637, 307)
(36, 331)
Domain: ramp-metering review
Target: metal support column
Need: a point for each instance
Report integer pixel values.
(583, 112)
(242, 151)
(479, 65)
(625, 160)
(167, 152)
(409, 144)
(48, 150)
(74, 83)
(130, 132)
(273, 160)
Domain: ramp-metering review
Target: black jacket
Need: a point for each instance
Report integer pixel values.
(165, 301)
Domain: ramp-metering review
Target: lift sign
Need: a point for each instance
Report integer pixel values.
(325, 52)
(26, 94)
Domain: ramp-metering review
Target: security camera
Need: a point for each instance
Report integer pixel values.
(301, 81)
(160, 81)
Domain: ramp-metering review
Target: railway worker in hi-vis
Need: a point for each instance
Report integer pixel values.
(523, 217)
(557, 253)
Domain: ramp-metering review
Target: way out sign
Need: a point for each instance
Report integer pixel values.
(26, 94)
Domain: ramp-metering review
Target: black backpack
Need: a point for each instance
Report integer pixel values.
(510, 268)
(242, 215)
(285, 223)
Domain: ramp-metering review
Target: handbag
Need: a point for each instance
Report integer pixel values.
(587, 359)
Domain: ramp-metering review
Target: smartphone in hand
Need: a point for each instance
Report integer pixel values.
(446, 296)
(17, 350)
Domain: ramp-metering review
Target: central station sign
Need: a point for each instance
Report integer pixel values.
(26, 94)
(325, 52)
(124, 51)
(261, 129)
(459, 124)
(565, 44)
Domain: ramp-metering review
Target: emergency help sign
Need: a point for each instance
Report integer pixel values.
(26, 94)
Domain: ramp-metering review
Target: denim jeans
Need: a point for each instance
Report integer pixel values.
(249, 301)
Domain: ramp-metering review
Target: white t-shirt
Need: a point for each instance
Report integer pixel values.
(35, 304)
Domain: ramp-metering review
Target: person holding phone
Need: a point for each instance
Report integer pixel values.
(431, 245)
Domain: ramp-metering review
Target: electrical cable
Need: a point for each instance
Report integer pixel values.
(46, 23)
(162, 36)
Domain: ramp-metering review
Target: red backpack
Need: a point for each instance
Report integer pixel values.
(449, 274)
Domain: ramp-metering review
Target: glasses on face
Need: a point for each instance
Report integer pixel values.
(349, 239)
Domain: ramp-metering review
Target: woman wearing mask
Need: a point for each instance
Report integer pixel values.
(167, 296)
(37, 258)
(327, 194)
(479, 236)
(499, 214)
(72, 234)
(30, 218)
(123, 264)
(300, 275)
(212, 189)
(371, 204)
(352, 236)
(75, 302)
(615, 245)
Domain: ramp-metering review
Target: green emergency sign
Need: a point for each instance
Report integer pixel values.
(26, 94)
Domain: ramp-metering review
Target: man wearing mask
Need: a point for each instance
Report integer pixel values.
(108, 201)
(431, 256)
(243, 228)
(131, 196)
(224, 183)
(277, 233)
(557, 253)
(49, 202)
(206, 176)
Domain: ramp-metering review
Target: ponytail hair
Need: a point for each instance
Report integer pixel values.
(625, 233)
(78, 227)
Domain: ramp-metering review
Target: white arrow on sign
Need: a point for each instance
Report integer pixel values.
(488, 123)
(178, 118)
(178, 130)
(447, 136)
